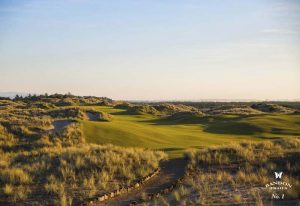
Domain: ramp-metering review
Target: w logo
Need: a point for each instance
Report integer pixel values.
(278, 175)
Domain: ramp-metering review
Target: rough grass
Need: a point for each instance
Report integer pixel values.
(237, 174)
(234, 110)
(37, 167)
(62, 168)
(269, 107)
(70, 112)
(142, 109)
(169, 109)
(41, 168)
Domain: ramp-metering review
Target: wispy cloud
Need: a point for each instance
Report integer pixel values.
(279, 31)
(287, 5)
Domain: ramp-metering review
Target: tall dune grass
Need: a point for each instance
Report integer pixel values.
(41, 168)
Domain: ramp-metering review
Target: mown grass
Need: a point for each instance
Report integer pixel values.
(176, 135)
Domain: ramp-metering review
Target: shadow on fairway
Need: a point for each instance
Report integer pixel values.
(229, 127)
(216, 125)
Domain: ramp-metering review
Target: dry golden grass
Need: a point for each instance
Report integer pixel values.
(42, 168)
(237, 174)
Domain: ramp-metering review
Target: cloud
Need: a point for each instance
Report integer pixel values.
(286, 5)
(279, 31)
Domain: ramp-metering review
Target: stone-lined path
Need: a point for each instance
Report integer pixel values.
(171, 170)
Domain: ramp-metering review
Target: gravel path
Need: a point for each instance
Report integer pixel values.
(171, 170)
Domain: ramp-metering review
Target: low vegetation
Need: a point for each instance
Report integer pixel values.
(38, 167)
(64, 149)
(233, 110)
(170, 109)
(65, 100)
(268, 107)
(142, 109)
(237, 174)
(69, 112)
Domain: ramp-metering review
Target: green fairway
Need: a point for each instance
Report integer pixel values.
(176, 136)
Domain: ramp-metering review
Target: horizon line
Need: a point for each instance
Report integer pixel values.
(13, 94)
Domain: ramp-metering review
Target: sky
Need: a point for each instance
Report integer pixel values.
(152, 49)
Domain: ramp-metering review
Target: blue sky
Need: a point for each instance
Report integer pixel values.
(152, 50)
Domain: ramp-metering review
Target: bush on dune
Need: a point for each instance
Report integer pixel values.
(124, 105)
(73, 112)
(273, 108)
(25, 123)
(169, 109)
(42, 105)
(234, 110)
(6, 104)
(143, 109)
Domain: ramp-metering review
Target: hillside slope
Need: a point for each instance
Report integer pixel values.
(175, 136)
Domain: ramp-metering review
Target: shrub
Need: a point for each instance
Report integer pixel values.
(8, 189)
(14, 176)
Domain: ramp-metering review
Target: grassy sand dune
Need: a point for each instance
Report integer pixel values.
(45, 160)
(238, 174)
